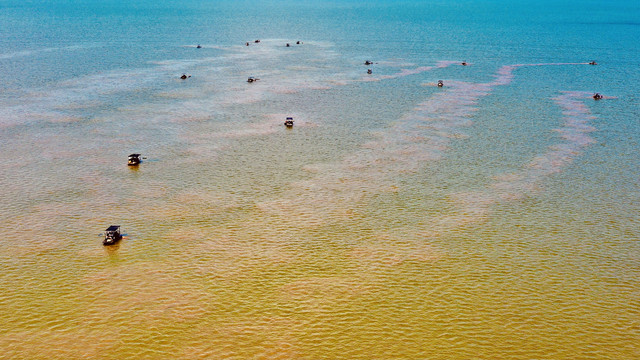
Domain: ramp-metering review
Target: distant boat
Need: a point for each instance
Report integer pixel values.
(134, 159)
(198, 47)
(288, 122)
(112, 235)
(252, 79)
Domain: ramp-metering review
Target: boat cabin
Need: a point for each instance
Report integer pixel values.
(112, 235)
(288, 122)
(134, 159)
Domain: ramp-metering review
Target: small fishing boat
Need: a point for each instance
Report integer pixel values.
(440, 83)
(288, 122)
(252, 79)
(369, 71)
(112, 235)
(134, 159)
(256, 41)
(368, 62)
(597, 96)
(185, 76)
(593, 63)
(198, 47)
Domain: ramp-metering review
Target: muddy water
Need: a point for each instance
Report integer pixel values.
(396, 219)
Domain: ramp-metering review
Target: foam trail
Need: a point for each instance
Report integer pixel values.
(505, 73)
(408, 71)
(60, 103)
(221, 82)
(418, 137)
(25, 53)
(421, 136)
(475, 206)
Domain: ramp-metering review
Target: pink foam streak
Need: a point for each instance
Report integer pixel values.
(505, 73)
(408, 72)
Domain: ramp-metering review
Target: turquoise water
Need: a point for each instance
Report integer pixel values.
(494, 217)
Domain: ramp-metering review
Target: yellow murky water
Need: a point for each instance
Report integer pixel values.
(309, 268)
(330, 240)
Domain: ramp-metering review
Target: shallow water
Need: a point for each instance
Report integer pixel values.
(495, 217)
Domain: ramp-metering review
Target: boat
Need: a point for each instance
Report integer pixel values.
(199, 46)
(288, 122)
(252, 79)
(112, 235)
(440, 83)
(134, 159)
(597, 96)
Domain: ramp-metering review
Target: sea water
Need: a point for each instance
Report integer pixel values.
(494, 217)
